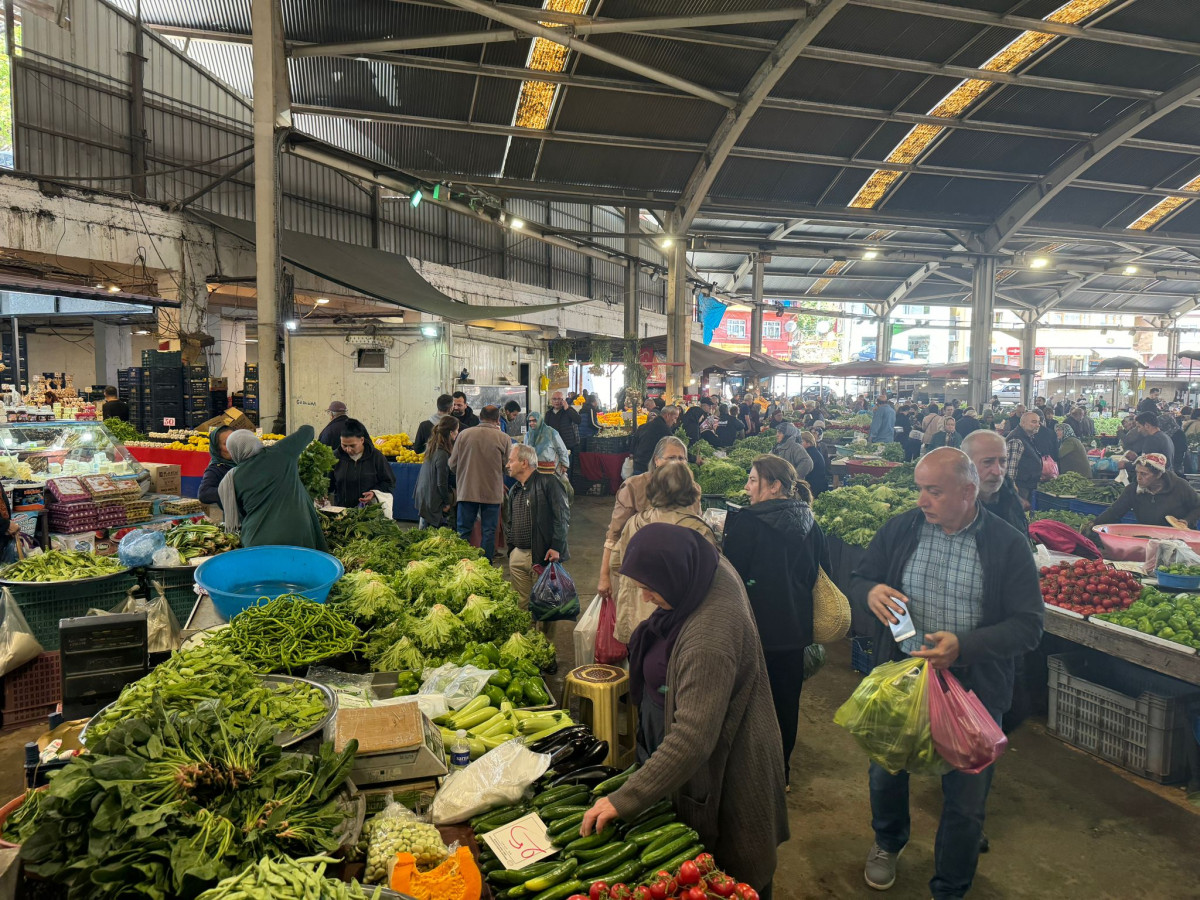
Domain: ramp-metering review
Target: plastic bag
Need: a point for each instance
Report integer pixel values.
(584, 635)
(627, 468)
(17, 643)
(609, 650)
(965, 735)
(1168, 552)
(168, 557)
(353, 691)
(459, 685)
(162, 628)
(1049, 468)
(814, 660)
(396, 829)
(498, 778)
(138, 547)
(554, 596)
(888, 714)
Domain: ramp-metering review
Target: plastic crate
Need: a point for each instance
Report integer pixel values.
(1048, 501)
(161, 359)
(37, 683)
(18, 718)
(44, 604)
(1130, 716)
(862, 654)
(177, 583)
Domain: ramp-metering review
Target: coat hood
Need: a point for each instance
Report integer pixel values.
(792, 517)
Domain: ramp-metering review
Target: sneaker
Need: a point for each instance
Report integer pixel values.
(880, 871)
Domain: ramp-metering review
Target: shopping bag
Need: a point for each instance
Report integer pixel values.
(965, 735)
(17, 643)
(609, 650)
(888, 715)
(831, 610)
(553, 596)
(584, 635)
(1049, 468)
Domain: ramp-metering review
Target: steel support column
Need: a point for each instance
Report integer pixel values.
(633, 224)
(1028, 343)
(1173, 347)
(15, 328)
(756, 310)
(983, 304)
(679, 322)
(137, 110)
(271, 119)
(883, 339)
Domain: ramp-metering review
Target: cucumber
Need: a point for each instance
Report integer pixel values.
(652, 858)
(661, 808)
(562, 891)
(560, 794)
(592, 840)
(626, 873)
(619, 854)
(561, 872)
(565, 825)
(648, 839)
(498, 811)
(487, 867)
(513, 893)
(611, 784)
(520, 876)
(667, 836)
(649, 826)
(560, 811)
(673, 864)
(596, 852)
(492, 821)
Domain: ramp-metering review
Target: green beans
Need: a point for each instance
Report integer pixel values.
(286, 879)
(289, 633)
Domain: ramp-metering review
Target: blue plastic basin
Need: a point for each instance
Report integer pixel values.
(241, 578)
(1179, 582)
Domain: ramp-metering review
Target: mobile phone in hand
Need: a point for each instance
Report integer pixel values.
(903, 629)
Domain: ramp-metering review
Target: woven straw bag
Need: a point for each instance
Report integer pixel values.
(831, 611)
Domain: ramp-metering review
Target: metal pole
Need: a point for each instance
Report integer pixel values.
(756, 310)
(1028, 340)
(679, 338)
(983, 302)
(633, 225)
(137, 108)
(16, 351)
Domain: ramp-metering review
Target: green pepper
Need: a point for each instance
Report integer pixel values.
(1145, 626)
(1177, 622)
(1166, 633)
(501, 679)
(1162, 613)
(494, 694)
(515, 692)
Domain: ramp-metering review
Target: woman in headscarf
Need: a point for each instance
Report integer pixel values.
(264, 496)
(779, 550)
(547, 442)
(789, 446)
(1072, 455)
(1169, 426)
(697, 662)
(362, 473)
(434, 492)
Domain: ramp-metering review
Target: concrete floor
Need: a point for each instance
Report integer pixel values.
(1062, 824)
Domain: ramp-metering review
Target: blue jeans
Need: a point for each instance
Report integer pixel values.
(956, 848)
(488, 514)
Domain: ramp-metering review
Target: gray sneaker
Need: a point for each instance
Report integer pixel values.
(880, 871)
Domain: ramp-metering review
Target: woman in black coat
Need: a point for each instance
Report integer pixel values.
(778, 550)
(361, 470)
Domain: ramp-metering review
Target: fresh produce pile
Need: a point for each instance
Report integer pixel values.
(516, 680)
(839, 434)
(1072, 484)
(398, 447)
(1088, 587)
(212, 673)
(854, 513)
(315, 464)
(1108, 426)
(720, 476)
(1181, 569)
(1172, 617)
(170, 804)
(123, 431)
(287, 879)
(859, 420)
(192, 540)
(489, 726)
(61, 565)
(288, 634)
(396, 830)
(1075, 520)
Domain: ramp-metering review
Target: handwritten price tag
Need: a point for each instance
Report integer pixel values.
(521, 843)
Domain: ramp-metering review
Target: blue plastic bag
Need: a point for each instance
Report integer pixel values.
(553, 596)
(138, 547)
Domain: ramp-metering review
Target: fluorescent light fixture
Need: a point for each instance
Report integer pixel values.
(870, 254)
(429, 330)
(1131, 270)
(516, 224)
(321, 301)
(1039, 262)
(415, 198)
(251, 340)
(142, 331)
(114, 289)
(667, 242)
(291, 325)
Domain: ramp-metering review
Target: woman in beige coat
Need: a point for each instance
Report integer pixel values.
(671, 497)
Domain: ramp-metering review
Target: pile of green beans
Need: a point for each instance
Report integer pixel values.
(289, 633)
(61, 565)
(286, 879)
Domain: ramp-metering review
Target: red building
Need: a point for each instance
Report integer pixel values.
(734, 333)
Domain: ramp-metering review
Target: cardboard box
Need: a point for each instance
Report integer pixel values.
(218, 384)
(28, 498)
(165, 478)
(395, 743)
(233, 418)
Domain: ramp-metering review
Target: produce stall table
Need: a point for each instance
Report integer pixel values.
(1124, 644)
(403, 507)
(603, 467)
(192, 464)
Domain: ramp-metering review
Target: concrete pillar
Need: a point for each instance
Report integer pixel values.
(756, 310)
(114, 350)
(679, 324)
(1173, 348)
(633, 224)
(271, 114)
(883, 340)
(233, 354)
(1028, 343)
(983, 303)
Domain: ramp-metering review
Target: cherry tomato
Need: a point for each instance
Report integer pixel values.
(689, 873)
(620, 891)
(695, 893)
(705, 863)
(721, 884)
(658, 890)
(642, 892)
(598, 890)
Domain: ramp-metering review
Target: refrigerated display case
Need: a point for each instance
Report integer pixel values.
(35, 451)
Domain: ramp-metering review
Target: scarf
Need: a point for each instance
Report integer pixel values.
(1068, 431)
(541, 437)
(1167, 424)
(679, 564)
(242, 445)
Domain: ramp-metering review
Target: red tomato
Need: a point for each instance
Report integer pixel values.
(620, 891)
(721, 884)
(598, 890)
(689, 873)
(695, 893)
(642, 892)
(658, 889)
(705, 863)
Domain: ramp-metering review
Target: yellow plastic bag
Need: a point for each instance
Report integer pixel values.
(888, 714)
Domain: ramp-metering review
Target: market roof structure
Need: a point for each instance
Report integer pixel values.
(871, 148)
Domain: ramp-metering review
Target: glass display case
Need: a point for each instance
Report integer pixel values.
(35, 451)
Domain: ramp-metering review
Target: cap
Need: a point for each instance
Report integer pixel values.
(337, 406)
(1155, 461)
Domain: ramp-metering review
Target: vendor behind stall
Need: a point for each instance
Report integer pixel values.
(220, 465)
(264, 495)
(362, 472)
(1157, 496)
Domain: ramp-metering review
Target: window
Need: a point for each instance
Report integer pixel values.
(772, 330)
(736, 328)
(370, 359)
(919, 347)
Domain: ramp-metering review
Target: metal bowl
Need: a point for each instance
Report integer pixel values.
(284, 739)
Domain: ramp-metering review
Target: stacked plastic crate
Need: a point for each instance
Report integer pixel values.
(197, 403)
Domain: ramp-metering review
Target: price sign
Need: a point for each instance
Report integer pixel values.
(168, 423)
(521, 843)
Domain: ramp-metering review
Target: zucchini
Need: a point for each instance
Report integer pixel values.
(669, 834)
(652, 858)
(673, 864)
(617, 855)
(520, 876)
(645, 833)
(513, 893)
(560, 811)
(647, 839)
(611, 784)
(560, 794)
(592, 840)
(492, 821)
(661, 808)
(546, 880)
(562, 891)
(626, 872)
(566, 825)
(499, 810)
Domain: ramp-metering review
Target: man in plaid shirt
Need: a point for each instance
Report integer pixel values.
(969, 582)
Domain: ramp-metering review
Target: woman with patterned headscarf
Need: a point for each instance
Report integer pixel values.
(1072, 455)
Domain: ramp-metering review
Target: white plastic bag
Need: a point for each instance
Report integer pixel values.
(458, 684)
(17, 643)
(584, 635)
(627, 468)
(1168, 552)
(497, 778)
(163, 634)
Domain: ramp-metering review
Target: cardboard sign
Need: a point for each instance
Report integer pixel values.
(168, 423)
(521, 843)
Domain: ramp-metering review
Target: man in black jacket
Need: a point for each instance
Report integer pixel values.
(646, 438)
(971, 587)
(361, 470)
(1024, 458)
(331, 434)
(536, 516)
(694, 416)
(425, 429)
(461, 411)
(989, 453)
(565, 420)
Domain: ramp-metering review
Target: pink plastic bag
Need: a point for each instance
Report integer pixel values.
(965, 735)
(608, 649)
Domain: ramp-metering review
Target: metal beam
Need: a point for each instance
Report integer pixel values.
(780, 231)
(1031, 200)
(906, 287)
(1026, 23)
(983, 302)
(753, 94)
(1020, 304)
(555, 35)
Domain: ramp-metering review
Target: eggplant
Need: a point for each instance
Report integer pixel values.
(563, 756)
(592, 775)
(548, 743)
(594, 756)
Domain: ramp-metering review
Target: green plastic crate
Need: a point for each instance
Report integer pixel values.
(177, 583)
(44, 604)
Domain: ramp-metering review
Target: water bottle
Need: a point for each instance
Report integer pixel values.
(460, 751)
